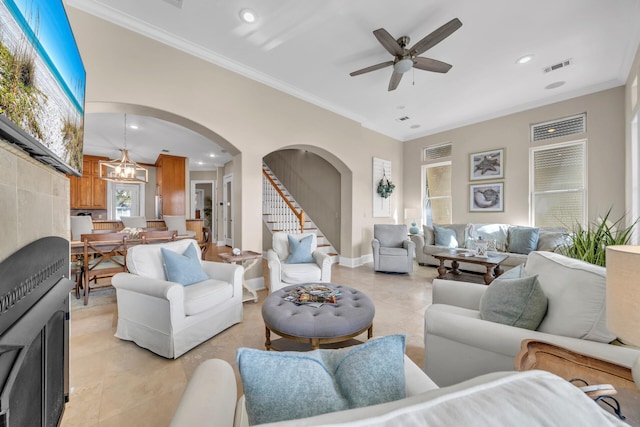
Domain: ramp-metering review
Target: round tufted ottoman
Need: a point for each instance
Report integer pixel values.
(351, 316)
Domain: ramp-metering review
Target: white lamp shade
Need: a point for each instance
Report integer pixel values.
(411, 213)
(623, 292)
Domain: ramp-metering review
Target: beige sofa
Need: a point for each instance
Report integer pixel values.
(460, 345)
(498, 400)
(549, 239)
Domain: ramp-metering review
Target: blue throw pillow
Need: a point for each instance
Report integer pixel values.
(184, 269)
(299, 250)
(523, 240)
(289, 385)
(445, 237)
(518, 302)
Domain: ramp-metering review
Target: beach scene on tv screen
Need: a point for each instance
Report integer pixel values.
(42, 78)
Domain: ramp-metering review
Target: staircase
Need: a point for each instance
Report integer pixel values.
(280, 212)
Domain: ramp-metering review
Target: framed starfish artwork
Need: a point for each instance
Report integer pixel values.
(486, 165)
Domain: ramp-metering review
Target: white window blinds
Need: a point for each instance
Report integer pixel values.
(558, 183)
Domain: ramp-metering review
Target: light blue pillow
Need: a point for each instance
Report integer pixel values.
(518, 302)
(184, 269)
(445, 237)
(523, 240)
(299, 250)
(289, 385)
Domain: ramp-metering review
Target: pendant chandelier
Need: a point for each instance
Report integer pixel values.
(123, 170)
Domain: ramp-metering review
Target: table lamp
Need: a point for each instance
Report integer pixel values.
(623, 297)
(413, 214)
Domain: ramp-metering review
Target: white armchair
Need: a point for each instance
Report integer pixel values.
(282, 274)
(166, 317)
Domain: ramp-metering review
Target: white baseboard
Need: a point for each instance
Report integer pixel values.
(356, 262)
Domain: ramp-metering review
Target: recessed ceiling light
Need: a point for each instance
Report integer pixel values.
(248, 16)
(133, 126)
(554, 85)
(200, 163)
(401, 107)
(524, 59)
(212, 155)
(415, 126)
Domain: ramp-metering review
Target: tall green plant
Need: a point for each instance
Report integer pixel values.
(589, 243)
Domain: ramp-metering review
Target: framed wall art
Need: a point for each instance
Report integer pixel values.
(486, 165)
(486, 197)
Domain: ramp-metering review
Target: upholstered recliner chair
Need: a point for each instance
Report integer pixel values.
(165, 316)
(392, 249)
(287, 267)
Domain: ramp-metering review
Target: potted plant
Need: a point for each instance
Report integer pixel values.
(590, 243)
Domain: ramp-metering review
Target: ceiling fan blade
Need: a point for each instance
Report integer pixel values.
(371, 68)
(429, 64)
(395, 81)
(388, 42)
(435, 37)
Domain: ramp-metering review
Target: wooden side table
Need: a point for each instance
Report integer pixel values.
(247, 259)
(569, 365)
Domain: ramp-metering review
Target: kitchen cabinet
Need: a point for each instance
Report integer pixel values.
(89, 191)
(171, 180)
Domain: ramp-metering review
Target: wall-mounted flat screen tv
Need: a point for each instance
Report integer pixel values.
(42, 83)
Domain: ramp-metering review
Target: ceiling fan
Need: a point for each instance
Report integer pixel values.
(405, 58)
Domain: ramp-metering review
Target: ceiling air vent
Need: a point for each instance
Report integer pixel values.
(557, 66)
(436, 152)
(562, 127)
(402, 119)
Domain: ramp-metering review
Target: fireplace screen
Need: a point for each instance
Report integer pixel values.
(34, 334)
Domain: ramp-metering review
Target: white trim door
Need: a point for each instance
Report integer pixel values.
(227, 209)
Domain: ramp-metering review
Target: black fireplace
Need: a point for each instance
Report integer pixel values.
(34, 334)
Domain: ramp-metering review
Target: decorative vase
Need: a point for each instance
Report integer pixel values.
(414, 228)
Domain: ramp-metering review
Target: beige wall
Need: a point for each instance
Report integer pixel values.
(126, 68)
(632, 129)
(35, 201)
(605, 156)
(315, 184)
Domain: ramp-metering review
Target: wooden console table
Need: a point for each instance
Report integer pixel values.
(569, 365)
(251, 258)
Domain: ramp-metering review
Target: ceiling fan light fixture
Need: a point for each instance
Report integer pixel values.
(403, 65)
(248, 16)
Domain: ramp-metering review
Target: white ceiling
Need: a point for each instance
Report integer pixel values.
(104, 135)
(308, 48)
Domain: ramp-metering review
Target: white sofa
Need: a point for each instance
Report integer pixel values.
(497, 400)
(550, 238)
(166, 317)
(460, 345)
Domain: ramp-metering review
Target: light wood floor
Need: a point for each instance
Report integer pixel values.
(116, 383)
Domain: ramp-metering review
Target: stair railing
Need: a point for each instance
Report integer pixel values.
(280, 205)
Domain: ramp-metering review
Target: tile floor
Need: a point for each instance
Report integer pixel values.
(116, 383)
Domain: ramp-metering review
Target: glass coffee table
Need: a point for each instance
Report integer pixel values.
(491, 263)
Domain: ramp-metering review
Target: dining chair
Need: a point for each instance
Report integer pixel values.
(178, 222)
(206, 240)
(104, 254)
(80, 225)
(134, 221)
(157, 236)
